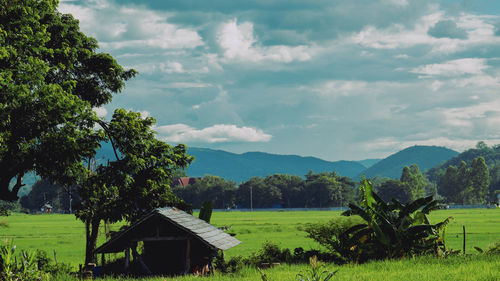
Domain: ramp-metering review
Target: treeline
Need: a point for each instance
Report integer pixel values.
(286, 191)
(473, 177)
(475, 180)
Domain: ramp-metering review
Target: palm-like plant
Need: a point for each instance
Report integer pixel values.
(392, 230)
(317, 272)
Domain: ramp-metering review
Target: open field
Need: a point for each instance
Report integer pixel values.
(65, 234)
(473, 268)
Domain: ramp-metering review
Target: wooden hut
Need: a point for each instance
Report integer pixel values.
(173, 243)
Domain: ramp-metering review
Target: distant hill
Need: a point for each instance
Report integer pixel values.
(369, 162)
(491, 156)
(426, 157)
(241, 167)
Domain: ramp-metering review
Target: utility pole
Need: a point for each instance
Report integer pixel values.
(251, 199)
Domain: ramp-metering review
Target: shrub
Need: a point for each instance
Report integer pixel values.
(20, 267)
(45, 264)
(4, 211)
(494, 249)
(233, 265)
(330, 235)
(270, 253)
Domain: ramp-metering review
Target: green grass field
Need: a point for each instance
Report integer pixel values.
(65, 234)
(473, 268)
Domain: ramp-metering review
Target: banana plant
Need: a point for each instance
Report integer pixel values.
(393, 229)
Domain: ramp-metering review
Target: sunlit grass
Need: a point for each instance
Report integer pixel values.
(475, 267)
(66, 235)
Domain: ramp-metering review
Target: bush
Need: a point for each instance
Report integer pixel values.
(18, 267)
(45, 264)
(233, 265)
(330, 235)
(270, 253)
(494, 249)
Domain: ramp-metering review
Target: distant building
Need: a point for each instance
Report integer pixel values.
(184, 181)
(46, 208)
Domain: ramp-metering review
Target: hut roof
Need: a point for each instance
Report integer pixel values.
(195, 227)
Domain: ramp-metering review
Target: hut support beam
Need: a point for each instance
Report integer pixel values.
(188, 255)
(127, 258)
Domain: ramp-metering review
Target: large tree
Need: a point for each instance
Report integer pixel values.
(51, 76)
(466, 185)
(415, 181)
(132, 184)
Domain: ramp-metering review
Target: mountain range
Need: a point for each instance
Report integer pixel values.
(426, 157)
(241, 167)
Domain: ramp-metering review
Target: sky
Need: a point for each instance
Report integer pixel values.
(338, 80)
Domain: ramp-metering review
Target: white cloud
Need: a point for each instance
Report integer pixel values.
(214, 134)
(118, 26)
(339, 88)
(468, 117)
(238, 43)
(183, 85)
(476, 29)
(100, 111)
(398, 2)
(401, 56)
(436, 85)
(453, 68)
(144, 113)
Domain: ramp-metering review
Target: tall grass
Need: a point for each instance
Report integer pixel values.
(474, 267)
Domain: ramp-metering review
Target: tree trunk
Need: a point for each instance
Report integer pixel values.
(91, 233)
(5, 192)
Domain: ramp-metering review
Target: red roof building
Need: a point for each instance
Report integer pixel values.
(184, 181)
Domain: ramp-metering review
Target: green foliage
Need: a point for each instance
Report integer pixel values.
(317, 272)
(233, 265)
(206, 211)
(3, 211)
(61, 198)
(331, 235)
(133, 184)
(415, 181)
(396, 189)
(269, 253)
(442, 176)
(327, 189)
(466, 185)
(393, 230)
(288, 191)
(255, 192)
(494, 248)
(211, 188)
(51, 76)
(18, 267)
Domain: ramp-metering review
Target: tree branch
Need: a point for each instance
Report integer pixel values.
(17, 186)
(106, 130)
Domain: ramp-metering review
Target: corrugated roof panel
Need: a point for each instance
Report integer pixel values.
(207, 232)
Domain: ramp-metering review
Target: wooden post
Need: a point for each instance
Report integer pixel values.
(127, 258)
(102, 259)
(463, 227)
(188, 255)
